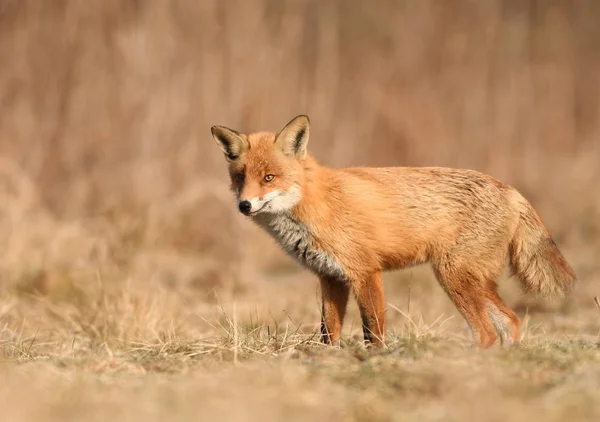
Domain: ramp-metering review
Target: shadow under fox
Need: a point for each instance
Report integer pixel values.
(348, 225)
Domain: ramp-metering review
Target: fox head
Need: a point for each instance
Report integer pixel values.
(266, 168)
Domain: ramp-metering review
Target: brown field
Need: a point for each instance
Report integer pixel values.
(130, 287)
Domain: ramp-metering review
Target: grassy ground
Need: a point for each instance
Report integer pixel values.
(411, 379)
(137, 353)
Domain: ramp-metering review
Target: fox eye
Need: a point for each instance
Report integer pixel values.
(268, 178)
(239, 177)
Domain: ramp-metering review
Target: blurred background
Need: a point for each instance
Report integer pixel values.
(112, 187)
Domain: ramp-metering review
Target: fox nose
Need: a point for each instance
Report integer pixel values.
(245, 207)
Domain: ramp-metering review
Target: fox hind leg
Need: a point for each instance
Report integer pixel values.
(469, 294)
(505, 321)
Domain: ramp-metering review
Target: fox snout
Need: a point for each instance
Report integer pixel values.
(254, 205)
(245, 207)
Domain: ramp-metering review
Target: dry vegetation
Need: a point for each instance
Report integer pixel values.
(130, 288)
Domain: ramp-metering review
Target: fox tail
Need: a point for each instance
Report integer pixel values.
(535, 258)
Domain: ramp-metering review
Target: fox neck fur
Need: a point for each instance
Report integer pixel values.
(295, 237)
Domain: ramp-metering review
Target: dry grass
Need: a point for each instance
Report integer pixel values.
(129, 354)
(256, 370)
(130, 288)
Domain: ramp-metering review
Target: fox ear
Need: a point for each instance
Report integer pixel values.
(232, 143)
(293, 138)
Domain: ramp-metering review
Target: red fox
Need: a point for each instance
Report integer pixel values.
(348, 225)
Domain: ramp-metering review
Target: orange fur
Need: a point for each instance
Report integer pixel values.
(349, 225)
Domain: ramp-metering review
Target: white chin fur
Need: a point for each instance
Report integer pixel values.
(276, 201)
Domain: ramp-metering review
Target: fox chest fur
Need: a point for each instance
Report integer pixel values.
(296, 239)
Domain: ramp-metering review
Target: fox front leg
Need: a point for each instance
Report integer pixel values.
(371, 302)
(335, 298)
